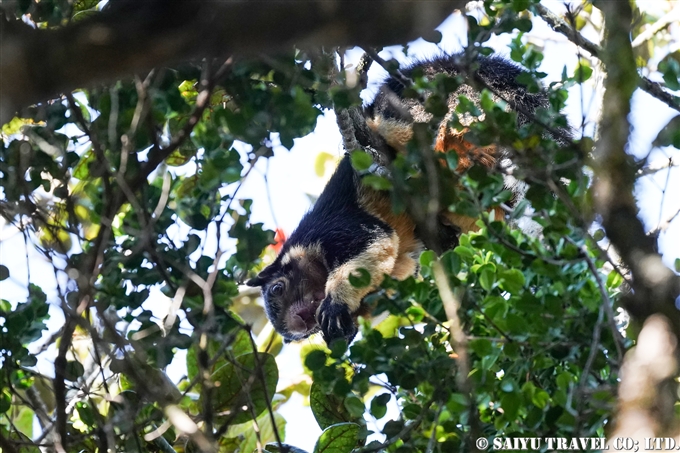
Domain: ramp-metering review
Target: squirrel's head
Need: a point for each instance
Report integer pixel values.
(293, 287)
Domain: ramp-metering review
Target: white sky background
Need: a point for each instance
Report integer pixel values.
(291, 177)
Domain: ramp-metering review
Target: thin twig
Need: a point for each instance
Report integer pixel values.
(606, 301)
(408, 427)
(158, 155)
(458, 339)
(663, 226)
(260, 374)
(560, 26)
(394, 72)
(505, 336)
(594, 348)
(664, 21)
(433, 436)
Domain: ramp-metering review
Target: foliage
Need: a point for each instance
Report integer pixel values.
(130, 192)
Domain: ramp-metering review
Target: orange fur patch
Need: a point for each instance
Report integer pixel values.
(378, 204)
(467, 224)
(468, 154)
(397, 134)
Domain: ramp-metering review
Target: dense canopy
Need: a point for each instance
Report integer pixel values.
(129, 129)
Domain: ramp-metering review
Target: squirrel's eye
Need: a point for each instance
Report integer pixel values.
(276, 289)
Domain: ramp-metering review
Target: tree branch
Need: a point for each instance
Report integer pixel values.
(132, 36)
(561, 26)
(655, 287)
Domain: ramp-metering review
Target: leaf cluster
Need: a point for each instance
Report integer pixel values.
(129, 191)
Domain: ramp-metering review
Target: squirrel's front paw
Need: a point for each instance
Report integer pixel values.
(336, 321)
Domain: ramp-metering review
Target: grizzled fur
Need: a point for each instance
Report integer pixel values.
(351, 228)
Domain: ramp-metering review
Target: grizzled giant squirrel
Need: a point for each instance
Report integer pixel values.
(352, 226)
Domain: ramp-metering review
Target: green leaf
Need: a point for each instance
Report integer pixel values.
(4, 272)
(614, 279)
(355, 406)
(508, 385)
(340, 438)
(486, 100)
(82, 169)
(540, 399)
(511, 280)
(427, 257)
(487, 278)
(361, 160)
(458, 403)
(377, 182)
(86, 414)
(452, 158)
(464, 252)
(599, 234)
(489, 360)
(564, 379)
(677, 265)
(321, 161)
(669, 66)
(237, 344)
(379, 405)
(510, 402)
(241, 384)
(516, 324)
(451, 262)
(481, 346)
(433, 36)
(410, 411)
(74, 370)
(23, 421)
(583, 71)
(520, 5)
(360, 278)
(315, 360)
(328, 409)
(497, 308)
(5, 402)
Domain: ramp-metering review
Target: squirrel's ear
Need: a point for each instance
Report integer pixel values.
(256, 281)
(263, 277)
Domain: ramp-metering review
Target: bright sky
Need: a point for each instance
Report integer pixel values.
(291, 178)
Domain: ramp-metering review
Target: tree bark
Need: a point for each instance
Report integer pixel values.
(132, 36)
